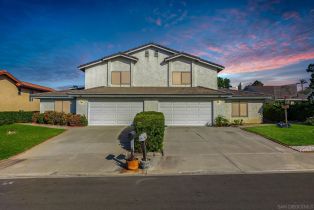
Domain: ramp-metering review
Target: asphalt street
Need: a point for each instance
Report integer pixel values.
(254, 191)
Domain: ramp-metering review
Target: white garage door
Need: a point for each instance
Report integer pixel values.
(187, 113)
(113, 113)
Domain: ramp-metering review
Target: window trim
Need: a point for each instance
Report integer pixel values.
(239, 102)
(181, 76)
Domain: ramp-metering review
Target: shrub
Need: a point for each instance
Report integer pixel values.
(84, 121)
(221, 121)
(77, 120)
(153, 124)
(310, 121)
(237, 122)
(15, 117)
(299, 111)
(40, 119)
(59, 118)
(273, 112)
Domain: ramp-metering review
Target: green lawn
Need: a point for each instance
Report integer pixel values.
(17, 138)
(296, 135)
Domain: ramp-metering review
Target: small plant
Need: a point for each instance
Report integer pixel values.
(221, 121)
(309, 121)
(237, 122)
(83, 121)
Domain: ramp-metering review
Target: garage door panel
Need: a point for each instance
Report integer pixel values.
(186, 113)
(113, 113)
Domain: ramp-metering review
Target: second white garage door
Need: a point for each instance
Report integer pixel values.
(113, 113)
(187, 113)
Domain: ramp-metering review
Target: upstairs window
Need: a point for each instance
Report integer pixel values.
(239, 109)
(156, 53)
(146, 53)
(181, 78)
(19, 91)
(120, 77)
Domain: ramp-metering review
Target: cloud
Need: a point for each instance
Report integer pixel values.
(291, 15)
(259, 37)
(256, 64)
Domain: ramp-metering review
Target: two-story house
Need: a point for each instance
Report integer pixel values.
(152, 77)
(15, 94)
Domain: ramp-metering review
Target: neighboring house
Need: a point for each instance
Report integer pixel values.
(282, 92)
(152, 77)
(15, 94)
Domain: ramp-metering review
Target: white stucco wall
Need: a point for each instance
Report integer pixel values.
(255, 111)
(205, 76)
(151, 105)
(151, 71)
(96, 76)
(82, 106)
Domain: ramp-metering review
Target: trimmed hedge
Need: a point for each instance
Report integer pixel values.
(59, 118)
(153, 123)
(15, 117)
(300, 111)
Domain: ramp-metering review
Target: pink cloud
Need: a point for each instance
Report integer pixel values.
(291, 15)
(158, 22)
(260, 64)
(215, 49)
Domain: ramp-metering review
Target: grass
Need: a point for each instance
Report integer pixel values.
(296, 135)
(17, 138)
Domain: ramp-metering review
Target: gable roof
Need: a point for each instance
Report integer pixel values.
(174, 55)
(23, 84)
(119, 54)
(193, 57)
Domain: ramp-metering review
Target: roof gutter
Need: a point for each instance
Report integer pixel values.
(149, 95)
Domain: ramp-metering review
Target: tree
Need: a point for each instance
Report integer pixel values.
(302, 82)
(223, 82)
(257, 83)
(310, 69)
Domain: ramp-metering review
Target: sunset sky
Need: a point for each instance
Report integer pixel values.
(44, 41)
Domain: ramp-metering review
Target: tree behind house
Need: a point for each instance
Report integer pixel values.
(223, 82)
(310, 69)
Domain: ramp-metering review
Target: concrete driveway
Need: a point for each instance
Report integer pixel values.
(77, 151)
(227, 150)
(97, 151)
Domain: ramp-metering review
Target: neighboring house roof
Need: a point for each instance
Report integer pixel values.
(277, 92)
(175, 54)
(245, 94)
(23, 84)
(139, 91)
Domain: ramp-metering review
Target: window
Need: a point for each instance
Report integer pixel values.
(146, 53)
(19, 91)
(239, 109)
(120, 77)
(156, 53)
(181, 78)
